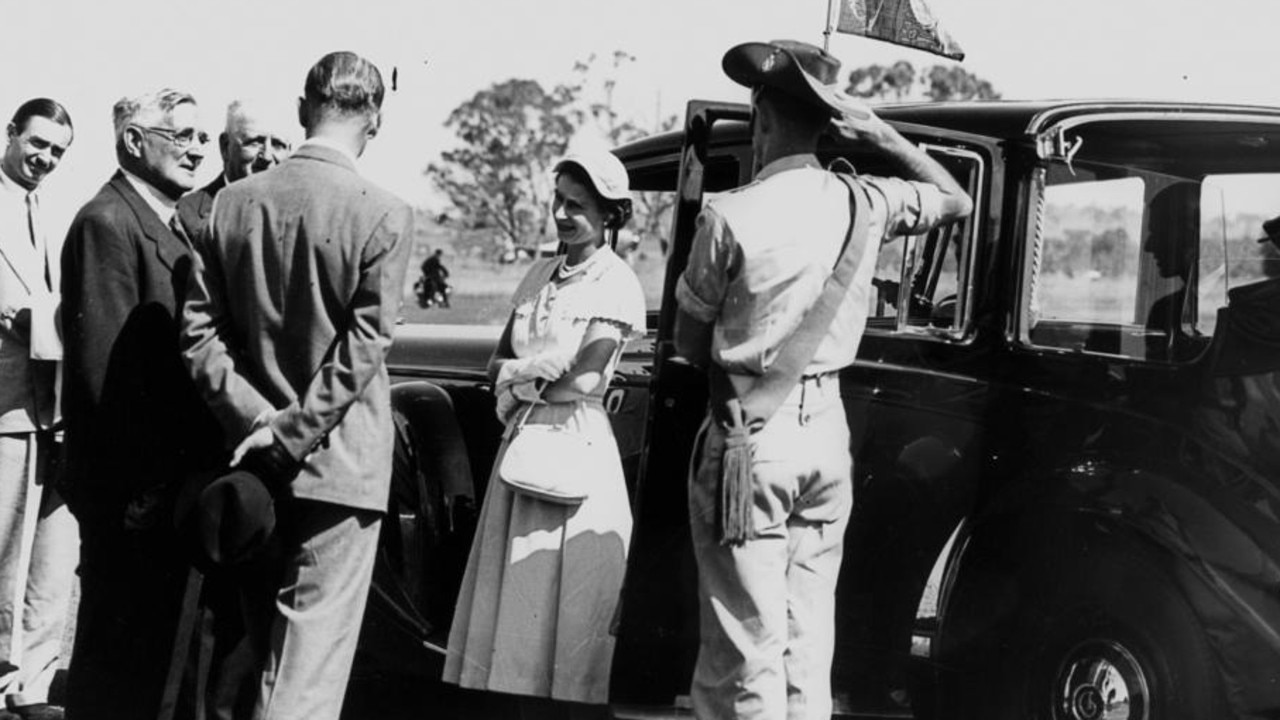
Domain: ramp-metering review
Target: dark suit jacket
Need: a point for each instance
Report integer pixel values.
(134, 420)
(293, 309)
(195, 206)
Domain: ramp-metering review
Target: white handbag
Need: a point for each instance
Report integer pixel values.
(548, 462)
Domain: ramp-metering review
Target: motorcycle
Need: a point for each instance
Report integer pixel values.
(432, 292)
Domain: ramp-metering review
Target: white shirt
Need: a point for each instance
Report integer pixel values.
(13, 210)
(26, 261)
(164, 206)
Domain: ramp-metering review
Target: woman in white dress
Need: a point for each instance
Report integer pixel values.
(543, 579)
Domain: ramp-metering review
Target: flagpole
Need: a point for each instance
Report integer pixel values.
(826, 33)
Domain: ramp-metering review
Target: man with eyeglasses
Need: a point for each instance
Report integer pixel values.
(135, 425)
(256, 138)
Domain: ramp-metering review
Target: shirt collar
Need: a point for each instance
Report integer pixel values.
(162, 204)
(326, 142)
(790, 162)
(11, 186)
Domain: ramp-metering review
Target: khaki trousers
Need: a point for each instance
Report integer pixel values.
(39, 549)
(767, 607)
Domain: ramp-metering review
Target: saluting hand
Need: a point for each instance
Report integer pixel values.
(858, 123)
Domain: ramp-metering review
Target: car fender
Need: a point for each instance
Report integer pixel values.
(1222, 557)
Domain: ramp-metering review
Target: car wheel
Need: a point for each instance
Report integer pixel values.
(1104, 635)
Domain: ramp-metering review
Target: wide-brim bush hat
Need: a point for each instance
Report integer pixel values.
(805, 72)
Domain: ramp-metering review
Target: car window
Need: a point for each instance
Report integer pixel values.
(1088, 254)
(1137, 237)
(1232, 253)
(935, 268)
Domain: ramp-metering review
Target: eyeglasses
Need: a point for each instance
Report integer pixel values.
(181, 139)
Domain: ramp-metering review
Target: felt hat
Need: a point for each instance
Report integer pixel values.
(805, 72)
(1272, 229)
(228, 518)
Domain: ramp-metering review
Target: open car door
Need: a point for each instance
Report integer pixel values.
(658, 617)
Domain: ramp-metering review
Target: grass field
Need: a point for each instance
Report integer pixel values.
(482, 290)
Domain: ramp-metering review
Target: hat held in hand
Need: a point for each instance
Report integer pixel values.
(805, 72)
(229, 518)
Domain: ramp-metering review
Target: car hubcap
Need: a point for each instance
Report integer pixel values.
(1101, 680)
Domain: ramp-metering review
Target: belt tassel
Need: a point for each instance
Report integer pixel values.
(737, 492)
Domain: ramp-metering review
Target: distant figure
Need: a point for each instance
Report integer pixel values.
(433, 286)
(1171, 315)
(1239, 411)
(136, 425)
(286, 331)
(255, 138)
(38, 542)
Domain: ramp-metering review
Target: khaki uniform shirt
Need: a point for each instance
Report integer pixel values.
(763, 252)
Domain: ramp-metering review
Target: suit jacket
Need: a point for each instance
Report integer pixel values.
(195, 206)
(293, 308)
(26, 386)
(134, 421)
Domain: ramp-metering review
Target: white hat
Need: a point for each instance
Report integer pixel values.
(607, 173)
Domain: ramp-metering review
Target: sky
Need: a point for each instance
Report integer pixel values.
(89, 53)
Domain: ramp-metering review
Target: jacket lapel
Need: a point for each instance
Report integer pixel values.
(22, 258)
(169, 248)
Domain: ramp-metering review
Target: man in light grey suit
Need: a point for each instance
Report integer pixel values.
(286, 331)
(38, 543)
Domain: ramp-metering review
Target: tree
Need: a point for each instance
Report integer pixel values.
(901, 82)
(880, 82)
(594, 91)
(952, 82)
(499, 177)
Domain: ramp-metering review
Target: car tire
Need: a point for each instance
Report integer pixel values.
(1107, 634)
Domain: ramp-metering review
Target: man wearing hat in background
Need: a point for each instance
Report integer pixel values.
(286, 331)
(760, 259)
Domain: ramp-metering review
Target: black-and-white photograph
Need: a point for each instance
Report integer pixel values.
(663, 360)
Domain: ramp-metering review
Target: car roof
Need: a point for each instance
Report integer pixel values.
(997, 119)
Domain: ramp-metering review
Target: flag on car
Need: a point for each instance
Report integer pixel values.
(902, 22)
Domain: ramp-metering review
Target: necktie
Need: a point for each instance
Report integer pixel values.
(35, 238)
(31, 219)
(176, 226)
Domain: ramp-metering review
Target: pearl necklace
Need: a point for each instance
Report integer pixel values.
(566, 271)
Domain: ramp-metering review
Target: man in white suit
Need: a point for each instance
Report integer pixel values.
(38, 538)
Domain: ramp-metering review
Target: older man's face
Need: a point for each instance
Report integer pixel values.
(250, 145)
(173, 150)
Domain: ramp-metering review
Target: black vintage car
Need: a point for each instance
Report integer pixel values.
(1066, 425)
